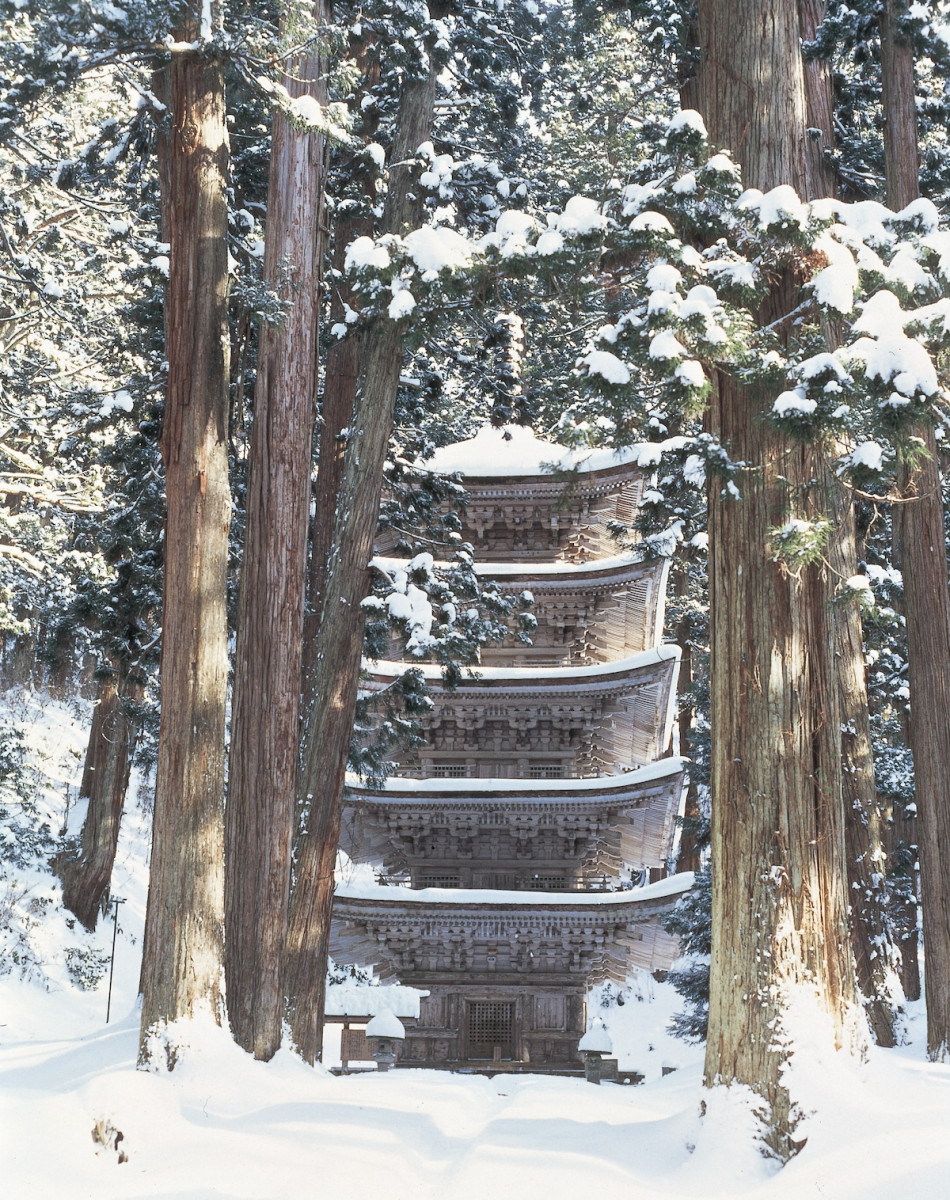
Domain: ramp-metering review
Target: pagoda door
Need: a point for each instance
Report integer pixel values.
(491, 1029)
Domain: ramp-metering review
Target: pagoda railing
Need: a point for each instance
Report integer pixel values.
(591, 883)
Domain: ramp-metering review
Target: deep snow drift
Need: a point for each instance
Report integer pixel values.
(221, 1125)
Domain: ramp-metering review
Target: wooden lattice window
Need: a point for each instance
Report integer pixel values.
(547, 883)
(440, 881)
(491, 1028)
(544, 771)
(450, 771)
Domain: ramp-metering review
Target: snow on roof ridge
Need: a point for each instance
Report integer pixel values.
(668, 652)
(673, 885)
(515, 450)
(628, 559)
(662, 768)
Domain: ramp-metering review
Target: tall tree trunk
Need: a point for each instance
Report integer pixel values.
(265, 720)
(183, 952)
(105, 781)
(902, 186)
(690, 857)
(819, 173)
(340, 384)
(874, 953)
(779, 887)
(901, 170)
(340, 389)
(340, 635)
(919, 531)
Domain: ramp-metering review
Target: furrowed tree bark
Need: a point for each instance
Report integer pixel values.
(340, 636)
(265, 720)
(183, 951)
(920, 535)
(340, 383)
(819, 174)
(340, 387)
(901, 172)
(876, 961)
(779, 886)
(875, 955)
(105, 781)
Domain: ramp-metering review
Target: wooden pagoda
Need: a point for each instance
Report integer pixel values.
(514, 850)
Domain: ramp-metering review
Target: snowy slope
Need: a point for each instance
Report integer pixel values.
(224, 1126)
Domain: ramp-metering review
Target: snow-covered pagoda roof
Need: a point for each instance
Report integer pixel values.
(603, 822)
(633, 901)
(538, 936)
(534, 677)
(398, 790)
(584, 612)
(515, 451)
(529, 500)
(617, 565)
(572, 713)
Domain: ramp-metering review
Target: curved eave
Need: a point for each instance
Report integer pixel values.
(399, 791)
(619, 569)
(573, 577)
(478, 461)
(536, 679)
(656, 897)
(515, 452)
(598, 467)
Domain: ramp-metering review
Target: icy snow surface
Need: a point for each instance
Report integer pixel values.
(224, 1127)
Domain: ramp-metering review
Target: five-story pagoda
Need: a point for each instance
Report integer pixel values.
(528, 825)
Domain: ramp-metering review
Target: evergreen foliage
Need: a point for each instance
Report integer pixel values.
(691, 921)
(585, 263)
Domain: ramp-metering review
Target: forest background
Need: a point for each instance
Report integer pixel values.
(241, 241)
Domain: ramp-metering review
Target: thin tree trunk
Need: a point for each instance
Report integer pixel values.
(690, 856)
(899, 97)
(265, 722)
(922, 550)
(779, 885)
(340, 386)
(340, 635)
(819, 107)
(901, 159)
(105, 780)
(183, 951)
(874, 952)
(920, 531)
(339, 397)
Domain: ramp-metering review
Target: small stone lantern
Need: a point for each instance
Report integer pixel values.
(385, 1033)
(593, 1046)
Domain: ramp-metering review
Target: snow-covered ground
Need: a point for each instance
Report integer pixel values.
(223, 1126)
